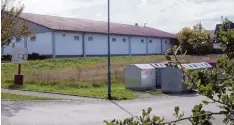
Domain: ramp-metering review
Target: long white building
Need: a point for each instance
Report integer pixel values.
(64, 37)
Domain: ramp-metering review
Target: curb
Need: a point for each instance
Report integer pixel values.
(44, 92)
(15, 100)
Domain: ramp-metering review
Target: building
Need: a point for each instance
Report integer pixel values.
(217, 44)
(66, 37)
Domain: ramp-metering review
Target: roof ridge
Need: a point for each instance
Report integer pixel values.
(83, 19)
(86, 25)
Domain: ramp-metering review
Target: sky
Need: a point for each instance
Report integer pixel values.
(167, 15)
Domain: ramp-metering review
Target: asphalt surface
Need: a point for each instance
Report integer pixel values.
(75, 112)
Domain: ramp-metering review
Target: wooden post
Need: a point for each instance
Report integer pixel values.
(19, 79)
(19, 69)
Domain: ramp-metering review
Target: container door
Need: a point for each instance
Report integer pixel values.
(148, 78)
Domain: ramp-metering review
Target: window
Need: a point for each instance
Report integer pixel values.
(113, 39)
(18, 39)
(33, 38)
(165, 42)
(142, 41)
(90, 38)
(150, 41)
(76, 37)
(124, 40)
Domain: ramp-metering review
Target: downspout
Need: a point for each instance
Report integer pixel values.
(2, 51)
(129, 45)
(161, 46)
(83, 45)
(147, 46)
(53, 45)
(25, 42)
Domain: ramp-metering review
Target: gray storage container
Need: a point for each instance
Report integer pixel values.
(172, 80)
(158, 69)
(139, 77)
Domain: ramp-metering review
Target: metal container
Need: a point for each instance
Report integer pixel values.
(205, 65)
(139, 77)
(172, 78)
(158, 68)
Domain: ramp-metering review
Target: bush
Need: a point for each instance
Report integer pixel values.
(196, 41)
(36, 56)
(6, 57)
(33, 56)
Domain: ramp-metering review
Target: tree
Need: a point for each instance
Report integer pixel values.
(226, 37)
(218, 89)
(12, 27)
(196, 40)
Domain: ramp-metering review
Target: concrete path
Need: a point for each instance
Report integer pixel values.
(85, 113)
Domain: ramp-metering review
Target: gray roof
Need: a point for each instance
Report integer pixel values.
(81, 25)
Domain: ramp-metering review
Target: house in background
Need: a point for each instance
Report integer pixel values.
(66, 37)
(217, 44)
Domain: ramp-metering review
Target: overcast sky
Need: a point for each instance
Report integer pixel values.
(167, 15)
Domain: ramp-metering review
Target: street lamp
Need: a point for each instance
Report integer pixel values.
(108, 35)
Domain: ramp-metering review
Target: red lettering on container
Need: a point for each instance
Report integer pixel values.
(148, 72)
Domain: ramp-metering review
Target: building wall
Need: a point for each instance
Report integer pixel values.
(120, 46)
(96, 46)
(8, 49)
(42, 44)
(35, 27)
(43, 39)
(165, 45)
(155, 46)
(138, 46)
(66, 44)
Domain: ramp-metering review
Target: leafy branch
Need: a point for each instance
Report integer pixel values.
(187, 118)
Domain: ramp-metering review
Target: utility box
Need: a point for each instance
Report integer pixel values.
(158, 75)
(139, 77)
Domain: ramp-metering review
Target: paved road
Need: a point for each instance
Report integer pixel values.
(86, 113)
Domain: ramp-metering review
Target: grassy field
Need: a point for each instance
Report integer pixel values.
(81, 76)
(21, 97)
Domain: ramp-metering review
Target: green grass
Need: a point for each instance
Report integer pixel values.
(118, 90)
(68, 75)
(22, 97)
(87, 61)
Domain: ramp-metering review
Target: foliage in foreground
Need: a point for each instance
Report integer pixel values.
(208, 83)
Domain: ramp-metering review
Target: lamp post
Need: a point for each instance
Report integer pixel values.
(108, 35)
